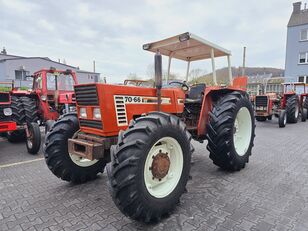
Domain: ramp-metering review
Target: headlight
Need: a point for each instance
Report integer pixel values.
(7, 111)
(83, 112)
(97, 113)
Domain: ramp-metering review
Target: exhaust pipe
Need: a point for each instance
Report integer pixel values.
(158, 78)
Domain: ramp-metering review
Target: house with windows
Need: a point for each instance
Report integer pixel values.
(296, 65)
(19, 68)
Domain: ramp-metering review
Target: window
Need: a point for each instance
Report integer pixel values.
(303, 79)
(21, 75)
(303, 57)
(304, 35)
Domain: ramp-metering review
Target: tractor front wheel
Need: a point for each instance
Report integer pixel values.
(33, 142)
(292, 109)
(282, 119)
(231, 131)
(304, 114)
(261, 118)
(150, 166)
(306, 104)
(63, 164)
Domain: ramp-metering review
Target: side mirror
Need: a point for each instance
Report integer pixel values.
(158, 70)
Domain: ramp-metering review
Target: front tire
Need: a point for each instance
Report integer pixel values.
(150, 166)
(304, 114)
(67, 166)
(292, 109)
(33, 142)
(231, 131)
(282, 119)
(306, 104)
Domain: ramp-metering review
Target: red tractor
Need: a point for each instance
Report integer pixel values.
(30, 131)
(52, 95)
(286, 105)
(145, 132)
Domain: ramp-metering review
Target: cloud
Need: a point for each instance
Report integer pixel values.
(112, 32)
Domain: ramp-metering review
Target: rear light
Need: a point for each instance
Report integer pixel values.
(83, 112)
(97, 113)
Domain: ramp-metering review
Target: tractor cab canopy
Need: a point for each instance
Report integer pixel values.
(189, 47)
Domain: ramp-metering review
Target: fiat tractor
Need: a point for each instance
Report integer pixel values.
(29, 131)
(145, 133)
(283, 102)
(52, 95)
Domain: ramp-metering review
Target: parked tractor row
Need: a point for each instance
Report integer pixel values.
(142, 132)
(287, 104)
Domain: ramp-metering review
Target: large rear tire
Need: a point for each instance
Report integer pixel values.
(231, 131)
(18, 116)
(30, 108)
(150, 166)
(33, 142)
(292, 109)
(64, 165)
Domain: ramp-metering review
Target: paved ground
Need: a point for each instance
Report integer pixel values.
(271, 193)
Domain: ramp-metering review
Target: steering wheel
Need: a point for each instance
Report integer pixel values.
(182, 84)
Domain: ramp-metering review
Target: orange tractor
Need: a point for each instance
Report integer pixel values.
(29, 131)
(145, 133)
(52, 95)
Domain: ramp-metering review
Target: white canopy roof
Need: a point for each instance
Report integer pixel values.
(187, 47)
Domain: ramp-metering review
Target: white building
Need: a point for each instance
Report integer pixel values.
(17, 68)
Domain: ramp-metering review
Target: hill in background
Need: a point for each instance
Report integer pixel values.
(222, 74)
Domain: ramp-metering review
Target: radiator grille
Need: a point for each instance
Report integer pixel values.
(261, 101)
(91, 124)
(86, 95)
(120, 110)
(4, 98)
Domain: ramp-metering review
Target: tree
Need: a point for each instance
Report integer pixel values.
(132, 76)
(195, 74)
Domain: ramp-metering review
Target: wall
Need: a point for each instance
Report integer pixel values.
(294, 47)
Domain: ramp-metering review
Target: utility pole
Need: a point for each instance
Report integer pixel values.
(244, 62)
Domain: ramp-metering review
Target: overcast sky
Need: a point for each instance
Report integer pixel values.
(112, 32)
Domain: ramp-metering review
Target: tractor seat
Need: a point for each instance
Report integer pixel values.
(196, 93)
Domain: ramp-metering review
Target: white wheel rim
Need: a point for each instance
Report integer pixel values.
(161, 188)
(242, 131)
(296, 111)
(81, 161)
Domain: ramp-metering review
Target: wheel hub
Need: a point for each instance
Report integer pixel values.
(160, 165)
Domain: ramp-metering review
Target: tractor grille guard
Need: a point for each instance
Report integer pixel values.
(261, 103)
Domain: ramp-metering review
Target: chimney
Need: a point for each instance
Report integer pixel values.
(297, 7)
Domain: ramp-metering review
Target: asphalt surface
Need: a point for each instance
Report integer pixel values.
(271, 193)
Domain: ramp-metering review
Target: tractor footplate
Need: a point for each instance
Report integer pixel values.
(90, 147)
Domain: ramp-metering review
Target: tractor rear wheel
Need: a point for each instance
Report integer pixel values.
(64, 165)
(150, 166)
(231, 131)
(292, 109)
(18, 116)
(282, 119)
(33, 142)
(30, 108)
(261, 118)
